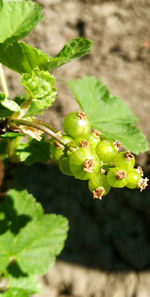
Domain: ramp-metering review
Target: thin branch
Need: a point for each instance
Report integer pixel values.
(13, 123)
(46, 125)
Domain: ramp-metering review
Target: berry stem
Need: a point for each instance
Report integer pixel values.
(39, 125)
(46, 125)
(3, 81)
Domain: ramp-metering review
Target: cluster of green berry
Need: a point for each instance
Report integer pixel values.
(89, 156)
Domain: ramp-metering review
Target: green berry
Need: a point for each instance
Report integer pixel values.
(83, 163)
(99, 185)
(117, 177)
(90, 140)
(94, 138)
(63, 164)
(57, 149)
(76, 124)
(125, 160)
(82, 142)
(133, 179)
(107, 151)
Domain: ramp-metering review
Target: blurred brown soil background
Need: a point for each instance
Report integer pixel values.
(107, 253)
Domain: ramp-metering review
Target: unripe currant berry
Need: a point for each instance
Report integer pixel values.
(125, 160)
(94, 138)
(134, 180)
(82, 142)
(83, 163)
(117, 177)
(63, 164)
(107, 151)
(76, 124)
(99, 185)
(90, 140)
(57, 149)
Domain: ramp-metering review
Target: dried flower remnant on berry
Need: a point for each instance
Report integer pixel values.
(84, 143)
(143, 183)
(120, 174)
(117, 144)
(139, 170)
(96, 133)
(88, 165)
(128, 156)
(81, 115)
(98, 193)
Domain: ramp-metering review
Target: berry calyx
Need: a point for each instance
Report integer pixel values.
(125, 160)
(83, 163)
(120, 174)
(88, 165)
(142, 184)
(117, 177)
(117, 144)
(96, 133)
(106, 151)
(139, 170)
(82, 142)
(99, 185)
(76, 124)
(98, 193)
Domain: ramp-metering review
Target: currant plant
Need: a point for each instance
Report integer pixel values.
(88, 149)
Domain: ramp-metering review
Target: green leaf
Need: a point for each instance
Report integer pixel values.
(34, 151)
(19, 207)
(46, 238)
(11, 105)
(8, 104)
(7, 107)
(4, 112)
(23, 58)
(28, 238)
(13, 292)
(23, 203)
(40, 87)
(11, 135)
(1, 4)
(29, 284)
(18, 18)
(33, 109)
(21, 286)
(75, 48)
(110, 115)
(6, 244)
